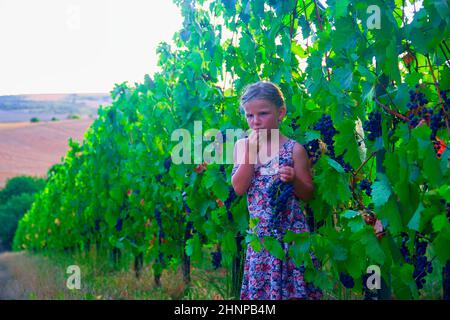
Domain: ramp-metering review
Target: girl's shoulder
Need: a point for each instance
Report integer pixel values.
(299, 152)
(295, 148)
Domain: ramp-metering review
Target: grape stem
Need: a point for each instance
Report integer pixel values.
(294, 16)
(385, 89)
(319, 19)
(395, 113)
(364, 163)
(354, 177)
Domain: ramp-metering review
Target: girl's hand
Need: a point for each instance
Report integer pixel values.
(287, 174)
(252, 146)
(253, 140)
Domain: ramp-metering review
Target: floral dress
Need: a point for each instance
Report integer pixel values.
(266, 277)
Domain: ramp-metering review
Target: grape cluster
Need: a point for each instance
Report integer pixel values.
(418, 111)
(421, 264)
(294, 124)
(313, 149)
(326, 128)
(346, 280)
(436, 122)
(417, 99)
(184, 195)
(161, 259)
(404, 249)
(279, 194)
(222, 170)
(167, 163)
(423, 114)
(216, 259)
(340, 159)
(373, 126)
(119, 225)
(159, 222)
(231, 197)
(445, 95)
(446, 280)
(366, 186)
(97, 224)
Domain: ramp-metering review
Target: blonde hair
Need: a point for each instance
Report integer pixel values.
(262, 90)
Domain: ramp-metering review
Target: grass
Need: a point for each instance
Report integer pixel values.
(43, 277)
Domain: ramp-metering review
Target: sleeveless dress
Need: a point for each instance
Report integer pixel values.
(266, 277)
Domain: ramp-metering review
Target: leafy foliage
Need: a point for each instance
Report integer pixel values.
(15, 200)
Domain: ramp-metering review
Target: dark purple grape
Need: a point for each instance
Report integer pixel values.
(279, 194)
(222, 169)
(327, 130)
(366, 186)
(97, 225)
(119, 225)
(340, 159)
(313, 149)
(294, 124)
(158, 218)
(216, 259)
(404, 249)
(167, 163)
(421, 264)
(373, 126)
(346, 280)
(231, 197)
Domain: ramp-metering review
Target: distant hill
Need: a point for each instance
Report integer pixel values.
(16, 108)
(32, 148)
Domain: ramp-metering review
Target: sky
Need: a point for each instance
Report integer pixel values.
(82, 46)
(68, 46)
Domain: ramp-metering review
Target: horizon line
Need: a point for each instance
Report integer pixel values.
(54, 93)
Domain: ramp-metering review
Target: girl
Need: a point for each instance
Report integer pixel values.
(266, 277)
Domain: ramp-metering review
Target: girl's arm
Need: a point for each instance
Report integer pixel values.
(242, 178)
(303, 183)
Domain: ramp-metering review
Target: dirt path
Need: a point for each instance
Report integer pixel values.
(10, 289)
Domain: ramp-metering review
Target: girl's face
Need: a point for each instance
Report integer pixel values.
(263, 114)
